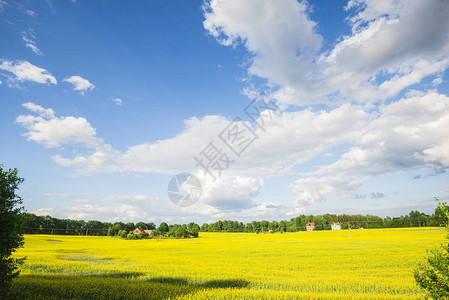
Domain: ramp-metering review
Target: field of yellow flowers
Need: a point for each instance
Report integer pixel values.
(358, 264)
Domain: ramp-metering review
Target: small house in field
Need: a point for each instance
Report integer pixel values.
(336, 226)
(141, 230)
(138, 230)
(310, 226)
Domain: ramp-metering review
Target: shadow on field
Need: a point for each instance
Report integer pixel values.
(211, 284)
(111, 286)
(118, 275)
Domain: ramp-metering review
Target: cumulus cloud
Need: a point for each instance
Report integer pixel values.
(20, 71)
(79, 84)
(393, 45)
(286, 140)
(409, 134)
(230, 192)
(128, 208)
(312, 189)
(279, 34)
(52, 131)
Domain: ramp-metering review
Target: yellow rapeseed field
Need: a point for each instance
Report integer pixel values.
(357, 264)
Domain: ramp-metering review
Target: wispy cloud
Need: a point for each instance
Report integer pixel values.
(117, 101)
(30, 13)
(30, 41)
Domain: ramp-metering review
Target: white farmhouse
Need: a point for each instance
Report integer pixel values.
(336, 226)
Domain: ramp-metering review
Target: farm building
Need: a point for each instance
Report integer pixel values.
(141, 230)
(310, 226)
(336, 226)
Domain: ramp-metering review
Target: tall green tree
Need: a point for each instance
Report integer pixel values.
(163, 228)
(10, 227)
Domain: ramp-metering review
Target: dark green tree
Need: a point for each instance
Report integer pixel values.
(163, 228)
(150, 226)
(181, 233)
(10, 227)
(141, 225)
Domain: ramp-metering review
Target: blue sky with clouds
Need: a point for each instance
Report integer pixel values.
(102, 102)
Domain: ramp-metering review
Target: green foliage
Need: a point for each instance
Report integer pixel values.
(151, 226)
(163, 228)
(433, 274)
(142, 235)
(111, 231)
(181, 233)
(131, 236)
(122, 233)
(10, 227)
(141, 225)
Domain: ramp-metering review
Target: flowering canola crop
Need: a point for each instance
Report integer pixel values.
(356, 264)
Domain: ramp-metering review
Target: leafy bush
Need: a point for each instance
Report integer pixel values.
(131, 236)
(142, 235)
(433, 275)
(122, 233)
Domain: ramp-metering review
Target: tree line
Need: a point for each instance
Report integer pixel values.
(48, 225)
(324, 222)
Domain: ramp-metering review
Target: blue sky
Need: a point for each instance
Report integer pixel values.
(102, 102)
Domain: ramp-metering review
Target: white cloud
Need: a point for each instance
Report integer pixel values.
(43, 112)
(30, 41)
(393, 45)
(30, 13)
(230, 192)
(56, 195)
(279, 34)
(312, 189)
(44, 212)
(128, 208)
(407, 134)
(53, 131)
(411, 133)
(117, 101)
(24, 71)
(79, 84)
(3, 3)
(289, 139)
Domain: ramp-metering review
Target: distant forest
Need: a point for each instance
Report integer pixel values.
(48, 225)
